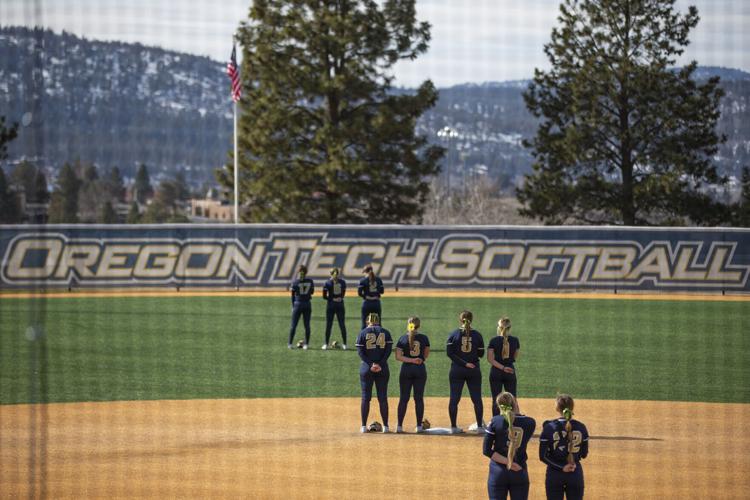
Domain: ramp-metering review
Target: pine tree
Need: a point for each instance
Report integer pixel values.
(10, 212)
(64, 203)
(741, 210)
(142, 187)
(115, 184)
(7, 134)
(24, 176)
(323, 137)
(41, 189)
(623, 138)
(109, 216)
(134, 216)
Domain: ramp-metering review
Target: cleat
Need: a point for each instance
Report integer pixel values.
(456, 430)
(289, 346)
(386, 429)
(363, 429)
(419, 429)
(343, 347)
(399, 429)
(325, 346)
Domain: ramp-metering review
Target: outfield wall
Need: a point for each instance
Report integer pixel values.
(459, 257)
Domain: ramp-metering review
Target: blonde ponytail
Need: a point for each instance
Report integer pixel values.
(503, 327)
(565, 406)
(412, 325)
(466, 317)
(505, 402)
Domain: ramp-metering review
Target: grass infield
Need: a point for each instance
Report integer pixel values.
(136, 348)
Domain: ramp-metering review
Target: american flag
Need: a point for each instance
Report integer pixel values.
(234, 75)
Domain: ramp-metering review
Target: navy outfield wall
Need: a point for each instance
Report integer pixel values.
(468, 257)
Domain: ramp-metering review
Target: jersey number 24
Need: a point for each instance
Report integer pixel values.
(372, 340)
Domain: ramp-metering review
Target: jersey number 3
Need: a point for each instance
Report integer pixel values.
(414, 352)
(372, 340)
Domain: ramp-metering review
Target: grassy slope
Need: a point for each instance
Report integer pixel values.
(225, 347)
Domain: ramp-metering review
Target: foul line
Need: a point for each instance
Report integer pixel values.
(431, 292)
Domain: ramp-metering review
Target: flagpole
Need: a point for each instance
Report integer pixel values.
(236, 190)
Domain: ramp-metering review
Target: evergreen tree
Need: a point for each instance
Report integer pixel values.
(134, 216)
(64, 203)
(623, 139)
(41, 190)
(7, 134)
(322, 138)
(10, 212)
(24, 176)
(742, 208)
(115, 184)
(142, 187)
(109, 216)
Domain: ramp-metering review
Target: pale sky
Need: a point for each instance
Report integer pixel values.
(472, 40)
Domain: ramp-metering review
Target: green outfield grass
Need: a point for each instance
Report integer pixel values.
(100, 349)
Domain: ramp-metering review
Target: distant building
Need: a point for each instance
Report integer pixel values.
(209, 210)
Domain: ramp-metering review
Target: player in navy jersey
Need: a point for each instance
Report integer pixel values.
(370, 289)
(412, 350)
(505, 443)
(302, 290)
(374, 345)
(564, 442)
(465, 347)
(502, 353)
(333, 292)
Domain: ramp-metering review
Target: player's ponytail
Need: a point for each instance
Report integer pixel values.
(412, 325)
(503, 327)
(370, 275)
(505, 401)
(565, 405)
(466, 318)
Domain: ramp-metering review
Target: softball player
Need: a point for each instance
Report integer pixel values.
(564, 442)
(374, 345)
(502, 353)
(412, 350)
(333, 292)
(302, 290)
(370, 289)
(505, 443)
(465, 347)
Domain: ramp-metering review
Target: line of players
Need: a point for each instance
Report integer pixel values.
(563, 441)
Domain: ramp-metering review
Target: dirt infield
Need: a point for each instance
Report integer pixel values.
(311, 448)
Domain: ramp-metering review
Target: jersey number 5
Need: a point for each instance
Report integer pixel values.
(465, 344)
(372, 340)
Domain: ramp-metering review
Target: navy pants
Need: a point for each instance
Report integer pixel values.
(567, 484)
(370, 306)
(303, 309)
(498, 380)
(380, 379)
(411, 377)
(335, 309)
(472, 377)
(502, 481)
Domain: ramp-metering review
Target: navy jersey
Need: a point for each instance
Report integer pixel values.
(334, 291)
(553, 442)
(417, 350)
(464, 349)
(496, 438)
(302, 290)
(374, 345)
(497, 344)
(370, 291)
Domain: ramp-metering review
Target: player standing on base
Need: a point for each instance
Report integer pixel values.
(502, 353)
(412, 350)
(564, 442)
(333, 292)
(302, 290)
(505, 444)
(465, 347)
(370, 289)
(374, 345)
